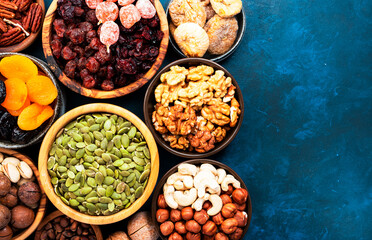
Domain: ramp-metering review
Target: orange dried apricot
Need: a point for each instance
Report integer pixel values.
(16, 94)
(16, 113)
(18, 66)
(33, 116)
(41, 90)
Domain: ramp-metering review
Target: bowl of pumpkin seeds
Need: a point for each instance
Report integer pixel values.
(98, 163)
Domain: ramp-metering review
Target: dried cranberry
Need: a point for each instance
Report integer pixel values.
(92, 65)
(81, 63)
(67, 53)
(110, 72)
(89, 81)
(121, 81)
(146, 33)
(77, 36)
(89, 51)
(79, 50)
(153, 51)
(102, 72)
(56, 37)
(146, 66)
(85, 26)
(107, 85)
(70, 69)
(102, 55)
(59, 27)
(56, 46)
(95, 43)
(153, 22)
(91, 35)
(77, 2)
(90, 16)
(128, 66)
(159, 35)
(79, 11)
(67, 12)
(84, 73)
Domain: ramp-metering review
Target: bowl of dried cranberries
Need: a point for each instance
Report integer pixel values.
(105, 49)
(30, 100)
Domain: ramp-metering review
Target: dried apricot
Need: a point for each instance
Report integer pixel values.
(41, 90)
(33, 116)
(16, 113)
(16, 94)
(18, 66)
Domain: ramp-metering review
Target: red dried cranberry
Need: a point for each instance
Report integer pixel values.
(102, 73)
(153, 51)
(146, 33)
(67, 12)
(92, 65)
(90, 16)
(146, 66)
(79, 50)
(95, 44)
(67, 53)
(77, 36)
(85, 26)
(79, 11)
(102, 55)
(91, 35)
(154, 22)
(77, 2)
(89, 81)
(81, 63)
(56, 37)
(59, 27)
(84, 73)
(121, 81)
(128, 66)
(56, 48)
(70, 69)
(89, 52)
(107, 85)
(110, 72)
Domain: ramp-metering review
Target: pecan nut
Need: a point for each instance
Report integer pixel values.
(3, 26)
(12, 36)
(32, 20)
(6, 13)
(8, 5)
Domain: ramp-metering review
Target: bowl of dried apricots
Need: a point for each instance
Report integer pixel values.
(30, 100)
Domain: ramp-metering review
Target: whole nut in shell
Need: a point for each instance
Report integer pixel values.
(209, 228)
(193, 226)
(25, 170)
(175, 236)
(180, 227)
(218, 219)
(5, 184)
(161, 201)
(118, 236)
(229, 225)
(221, 236)
(193, 236)
(11, 160)
(237, 234)
(187, 213)
(140, 226)
(10, 200)
(242, 218)
(166, 228)
(22, 217)
(11, 172)
(225, 199)
(175, 215)
(6, 233)
(229, 210)
(162, 215)
(201, 217)
(240, 195)
(5, 216)
(29, 193)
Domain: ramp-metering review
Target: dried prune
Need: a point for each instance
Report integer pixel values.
(22, 137)
(2, 91)
(7, 123)
(107, 85)
(92, 65)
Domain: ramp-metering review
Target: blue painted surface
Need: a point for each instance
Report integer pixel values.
(304, 150)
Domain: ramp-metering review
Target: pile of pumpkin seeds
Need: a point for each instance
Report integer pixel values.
(99, 164)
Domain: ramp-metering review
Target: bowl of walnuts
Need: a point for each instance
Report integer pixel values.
(105, 49)
(194, 108)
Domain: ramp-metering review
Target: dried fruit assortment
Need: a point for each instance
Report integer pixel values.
(106, 44)
(99, 164)
(19, 195)
(18, 19)
(201, 202)
(26, 97)
(201, 26)
(195, 107)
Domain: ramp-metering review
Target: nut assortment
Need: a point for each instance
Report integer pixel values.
(99, 164)
(19, 196)
(200, 202)
(18, 19)
(201, 26)
(195, 107)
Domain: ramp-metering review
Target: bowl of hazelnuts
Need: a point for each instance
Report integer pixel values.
(201, 199)
(22, 199)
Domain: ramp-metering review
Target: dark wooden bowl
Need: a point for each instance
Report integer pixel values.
(216, 58)
(43, 201)
(95, 93)
(28, 40)
(149, 103)
(159, 189)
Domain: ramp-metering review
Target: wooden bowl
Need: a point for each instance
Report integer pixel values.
(58, 105)
(56, 214)
(43, 201)
(240, 17)
(149, 103)
(95, 93)
(28, 40)
(159, 189)
(49, 139)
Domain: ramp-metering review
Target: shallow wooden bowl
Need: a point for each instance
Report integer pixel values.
(159, 190)
(28, 40)
(49, 139)
(41, 210)
(150, 102)
(95, 93)
(56, 214)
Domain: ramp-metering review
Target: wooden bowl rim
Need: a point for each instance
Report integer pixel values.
(95, 93)
(57, 213)
(148, 115)
(59, 108)
(49, 139)
(28, 40)
(43, 200)
(159, 189)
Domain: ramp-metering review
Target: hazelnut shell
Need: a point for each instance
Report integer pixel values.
(22, 217)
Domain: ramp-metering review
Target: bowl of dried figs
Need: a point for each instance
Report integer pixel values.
(105, 49)
(20, 23)
(210, 29)
(30, 100)
(194, 108)
(201, 199)
(22, 198)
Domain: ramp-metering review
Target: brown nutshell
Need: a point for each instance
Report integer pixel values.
(229, 225)
(193, 226)
(201, 217)
(229, 210)
(193, 236)
(175, 215)
(175, 236)
(210, 228)
(161, 201)
(166, 228)
(240, 195)
(242, 218)
(187, 213)
(162, 215)
(225, 199)
(237, 234)
(180, 227)
(218, 219)
(221, 236)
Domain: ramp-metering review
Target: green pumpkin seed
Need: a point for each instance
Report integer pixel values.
(108, 180)
(131, 149)
(93, 200)
(71, 174)
(91, 147)
(51, 162)
(106, 157)
(118, 163)
(61, 169)
(94, 127)
(105, 200)
(130, 177)
(146, 152)
(85, 190)
(91, 207)
(120, 187)
(74, 203)
(139, 161)
(82, 209)
(144, 176)
(99, 178)
(101, 191)
(139, 192)
(111, 206)
(92, 194)
(91, 182)
(107, 125)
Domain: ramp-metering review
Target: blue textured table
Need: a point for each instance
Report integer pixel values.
(304, 150)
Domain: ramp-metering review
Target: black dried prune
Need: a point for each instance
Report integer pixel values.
(2, 92)
(20, 136)
(7, 123)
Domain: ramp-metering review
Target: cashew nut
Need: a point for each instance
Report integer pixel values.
(185, 198)
(229, 179)
(216, 202)
(210, 167)
(186, 179)
(178, 185)
(198, 204)
(187, 169)
(206, 180)
(168, 196)
(221, 174)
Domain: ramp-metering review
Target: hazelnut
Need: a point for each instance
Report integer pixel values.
(166, 228)
(240, 207)
(161, 201)
(10, 200)
(221, 236)
(162, 215)
(5, 216)
(193, 236)
(175, 236)
(187, 213)
(180, 227)
(209, 228)
(193, 226)
(229, 191)
(240, 195)
(22, 217)
(201, 217)
(242, 218)
(6, 233)
(207, 205)
(225, 199)
(206, 237)
(5, 184)
(175, 215)
(218, 219)
(229, 225)
(29, 193)
(237, 234)
(229, 210)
